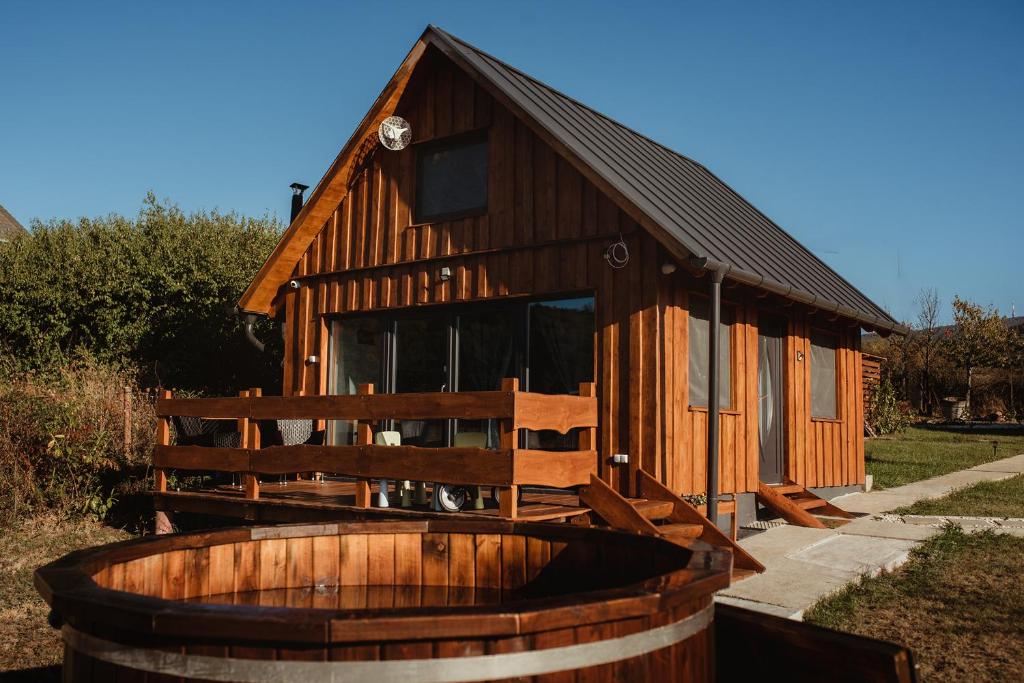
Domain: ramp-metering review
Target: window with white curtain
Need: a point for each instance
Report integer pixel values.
(823, 375)
(698, 366)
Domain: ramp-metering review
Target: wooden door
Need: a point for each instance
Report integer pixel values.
(770, 399)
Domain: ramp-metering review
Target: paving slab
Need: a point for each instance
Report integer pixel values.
(857, 554)
(1014, 465)
(868, 526)
(775, 544)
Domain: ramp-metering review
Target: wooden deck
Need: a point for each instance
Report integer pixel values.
(307, 500)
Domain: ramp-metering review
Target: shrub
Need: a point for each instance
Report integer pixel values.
(62, 440)
(887, 414)
(156, 292)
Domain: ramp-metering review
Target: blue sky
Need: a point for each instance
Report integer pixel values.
(887, 137)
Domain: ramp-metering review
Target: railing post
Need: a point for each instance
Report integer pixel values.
(508, 503)
(250, 440)
(162, 520)
(364, 436)
(588, 435)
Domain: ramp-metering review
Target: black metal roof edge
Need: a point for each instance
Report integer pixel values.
(882, 321)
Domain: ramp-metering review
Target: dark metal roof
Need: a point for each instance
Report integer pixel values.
(9, 226)
(705, 216)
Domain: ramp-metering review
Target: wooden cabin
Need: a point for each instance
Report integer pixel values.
(527, 244)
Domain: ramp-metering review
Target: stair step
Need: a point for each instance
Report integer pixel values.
(653, 509)
(681, 531)
(810, 503)
(788, 488)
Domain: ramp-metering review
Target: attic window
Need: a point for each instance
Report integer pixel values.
(451, 178)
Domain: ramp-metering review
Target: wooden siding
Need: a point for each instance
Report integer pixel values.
(545, 232)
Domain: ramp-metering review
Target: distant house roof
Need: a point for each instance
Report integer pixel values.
(9, 226)
(689, 209)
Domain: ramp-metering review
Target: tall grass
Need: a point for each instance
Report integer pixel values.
(62, 440)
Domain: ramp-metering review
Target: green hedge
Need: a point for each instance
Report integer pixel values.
(155, 293)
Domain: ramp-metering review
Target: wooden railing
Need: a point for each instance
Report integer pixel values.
(508, 467)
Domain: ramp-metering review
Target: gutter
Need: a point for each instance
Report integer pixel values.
(789, 292)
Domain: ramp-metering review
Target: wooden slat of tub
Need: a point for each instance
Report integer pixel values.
(462, 560)
(222, 568)
(326, 560)
(173, 587)
(152, 575)
(506, 645)
(538, 555)
(408, 559)
(513, 561)
(558, 638)
(380, 569)
(635, 668)
(488, 560)
(352, 559)
(299, 558)
(408, 650)
(435, 559)
(273, 563)
(247, 566)
(197, 572)
(459, 648)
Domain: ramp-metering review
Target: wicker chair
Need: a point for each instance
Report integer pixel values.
(293, 433)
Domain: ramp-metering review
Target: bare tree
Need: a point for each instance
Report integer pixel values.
(928, 341)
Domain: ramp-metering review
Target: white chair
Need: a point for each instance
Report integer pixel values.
(389, 438)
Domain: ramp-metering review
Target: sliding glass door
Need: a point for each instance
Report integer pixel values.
(548, 345)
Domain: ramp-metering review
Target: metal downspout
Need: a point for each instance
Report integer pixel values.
(714, 359)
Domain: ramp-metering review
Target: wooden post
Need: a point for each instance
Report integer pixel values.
(508, 503)
(127, 421)
(162, 522)
(364, 436)
(250, 431)
(588, 435)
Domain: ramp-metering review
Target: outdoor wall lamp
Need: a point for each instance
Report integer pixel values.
(667, 268)
(446, 274)
(799, 356)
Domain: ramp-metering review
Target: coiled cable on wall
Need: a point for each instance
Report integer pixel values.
(617, 254)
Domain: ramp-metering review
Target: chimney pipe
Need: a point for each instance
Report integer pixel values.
(297, 190)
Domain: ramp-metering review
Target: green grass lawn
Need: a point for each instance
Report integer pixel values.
(923, 452)
(28, 645)
(956, 603)
(988, 499)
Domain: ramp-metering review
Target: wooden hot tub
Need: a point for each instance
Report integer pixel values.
(416, 602)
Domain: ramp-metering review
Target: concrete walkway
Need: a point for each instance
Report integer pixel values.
(804, 565)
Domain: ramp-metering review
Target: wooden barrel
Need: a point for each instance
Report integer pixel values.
(422, 601)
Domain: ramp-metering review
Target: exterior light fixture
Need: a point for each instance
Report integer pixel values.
(667, 268)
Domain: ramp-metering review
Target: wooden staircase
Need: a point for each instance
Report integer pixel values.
(660, 512)
(797, 505)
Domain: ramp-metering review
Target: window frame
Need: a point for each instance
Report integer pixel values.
(466, 138)
(837, 338)
(731, 409)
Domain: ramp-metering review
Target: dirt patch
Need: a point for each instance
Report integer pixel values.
(957, 604)
(28, 645)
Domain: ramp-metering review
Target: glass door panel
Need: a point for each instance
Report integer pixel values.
(486, 354)
(356, 358)
(561, 356)
(421, 362)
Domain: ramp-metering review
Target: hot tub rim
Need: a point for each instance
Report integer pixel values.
(67, 585)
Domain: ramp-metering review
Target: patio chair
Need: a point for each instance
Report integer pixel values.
(293, 433)
(194, 431)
